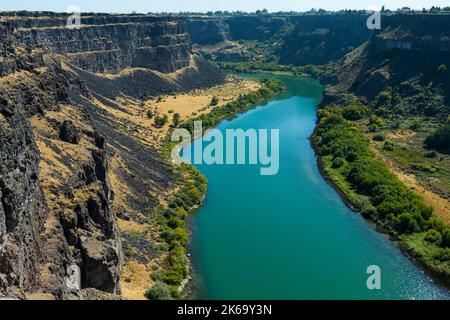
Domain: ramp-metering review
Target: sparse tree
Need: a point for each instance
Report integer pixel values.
(176, 119)
(160, 121)
(214, 101)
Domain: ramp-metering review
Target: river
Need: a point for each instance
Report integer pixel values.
(289, 235)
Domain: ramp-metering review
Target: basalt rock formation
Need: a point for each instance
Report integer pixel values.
(295, 39)
(108, 43)
(43, 234)
(58, 229)
(207, 31)
(22, 207)
(322, 39)
(407, 58)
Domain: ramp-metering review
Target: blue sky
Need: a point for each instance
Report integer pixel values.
(210, 5)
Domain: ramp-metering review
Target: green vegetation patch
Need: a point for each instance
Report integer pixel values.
(424, 248)
(276, 69)
(171, 222)
(349, 162)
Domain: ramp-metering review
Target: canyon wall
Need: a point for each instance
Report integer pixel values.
(294, 39)
(22, 207)
(60, 142)
(322, 39)
(414, 32)
(57, 229)
(108, 43)
(407, 58)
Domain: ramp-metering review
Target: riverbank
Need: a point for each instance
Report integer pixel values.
(368, 187)
(171, 281)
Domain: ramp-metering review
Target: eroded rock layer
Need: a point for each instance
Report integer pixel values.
(108, 43)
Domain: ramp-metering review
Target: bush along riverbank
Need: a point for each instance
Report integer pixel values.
(369, 187)
(170, 219)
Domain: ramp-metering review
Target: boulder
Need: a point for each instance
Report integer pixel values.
(69, 133)
(101, 261)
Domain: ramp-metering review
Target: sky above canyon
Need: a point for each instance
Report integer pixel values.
(208, 5)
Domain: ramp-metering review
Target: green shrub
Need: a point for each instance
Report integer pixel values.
(389, 146)
(129, 252)
(433, 236)
(440, 139)
(176, 119)
(170, 212)
(214, 101)
(159, 291)
(161, 120)
(170, 277)
(369, 212)
(174, 222)
(338, 162)
(376, 121)
(422, 167)
(407, 223)
(425, 211)
(354, 112)
(442, 68)
(395, 125)
(150, 114)
(168, 236)
(430, 154)
(446, 237)
(181, 236)
(384, 97)
(442, 255)
(416, 126)
(378, 137)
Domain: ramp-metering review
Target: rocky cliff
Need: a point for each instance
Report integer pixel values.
(60, 144)
(206, 31)
(293, 39)
(414, 32)
(108, 43)
(57, 229)
(22, 207)
(213, 30)
(320, 39)
(408, 58)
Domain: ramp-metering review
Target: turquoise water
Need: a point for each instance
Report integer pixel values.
(290, 236)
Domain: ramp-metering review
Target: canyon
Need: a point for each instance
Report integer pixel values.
(82, 175)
